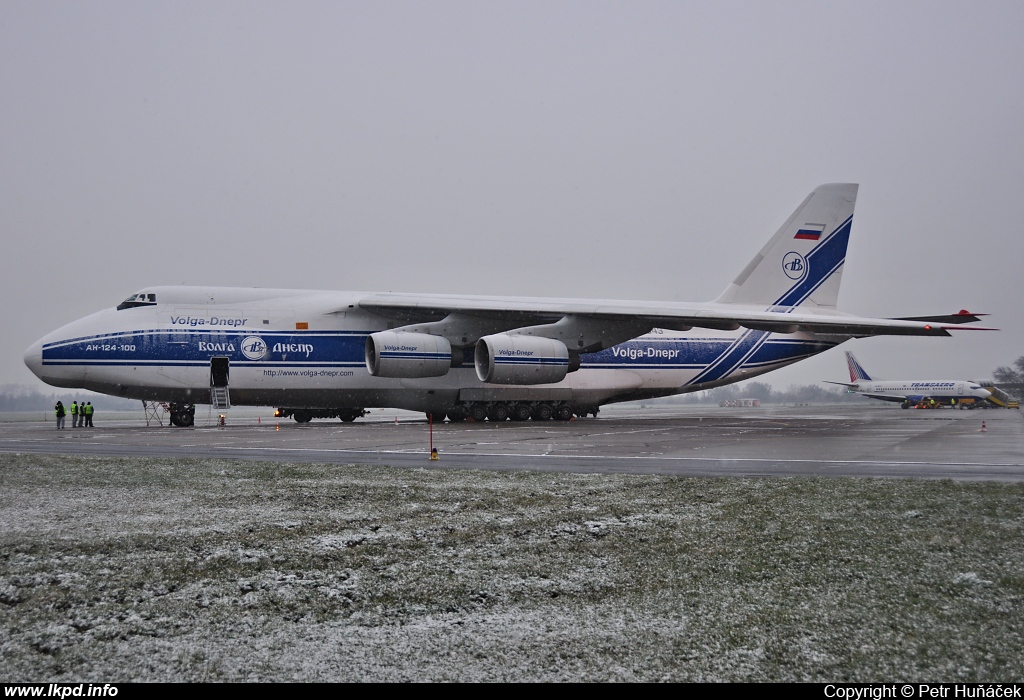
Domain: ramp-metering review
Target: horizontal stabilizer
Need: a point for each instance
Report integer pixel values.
(961, 316)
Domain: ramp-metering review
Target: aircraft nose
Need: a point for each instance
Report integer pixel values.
(34, 359)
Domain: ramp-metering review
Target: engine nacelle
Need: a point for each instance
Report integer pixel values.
(520, 359)
(407, 355)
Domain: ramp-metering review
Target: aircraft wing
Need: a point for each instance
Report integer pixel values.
(960, 317)
(882, 397)
(515, 312)
(846, 384)
(867, 394)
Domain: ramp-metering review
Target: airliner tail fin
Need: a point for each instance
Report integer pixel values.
(802, 264)
(857, 373)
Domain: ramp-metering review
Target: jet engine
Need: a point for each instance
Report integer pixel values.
(407, 355)
(520, 359)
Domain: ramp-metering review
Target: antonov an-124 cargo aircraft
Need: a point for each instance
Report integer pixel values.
(335, 354)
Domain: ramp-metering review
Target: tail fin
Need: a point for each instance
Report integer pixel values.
(803, 262)
(857, 373)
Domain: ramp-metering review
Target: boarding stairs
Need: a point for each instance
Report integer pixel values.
(219, 397)
(998, 397)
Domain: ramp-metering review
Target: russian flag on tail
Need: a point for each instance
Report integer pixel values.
(810, 232)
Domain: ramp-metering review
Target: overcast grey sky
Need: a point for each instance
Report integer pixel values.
(626, 150)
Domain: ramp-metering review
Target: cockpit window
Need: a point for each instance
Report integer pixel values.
(142, 299)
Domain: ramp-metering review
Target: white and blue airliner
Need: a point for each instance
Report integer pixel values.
(915, 392)
(334, 354)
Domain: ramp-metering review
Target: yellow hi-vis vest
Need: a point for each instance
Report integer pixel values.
(74, 409)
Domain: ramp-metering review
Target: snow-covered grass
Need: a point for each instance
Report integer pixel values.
(133, 570)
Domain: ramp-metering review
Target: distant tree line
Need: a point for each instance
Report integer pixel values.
(20, 398)
(1011, 379)
(795, 393)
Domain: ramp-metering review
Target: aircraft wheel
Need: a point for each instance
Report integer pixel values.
(520, 411)
(563, 412)
(186, 420)
(456, 416)
(543, 411)
(478, 412)
(348, 417)
(302, 417)
(436, 417)
(499, 412)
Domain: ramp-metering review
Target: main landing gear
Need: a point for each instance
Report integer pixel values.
(183, 415)
(305, 415)
(498, 411)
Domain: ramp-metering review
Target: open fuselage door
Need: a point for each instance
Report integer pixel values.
(219, 373)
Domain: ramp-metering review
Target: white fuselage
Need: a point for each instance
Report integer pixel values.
(307, 349)
(943, 391)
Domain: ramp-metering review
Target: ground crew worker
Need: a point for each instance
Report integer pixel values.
(59, 411)
(74, 414)
(88, 415)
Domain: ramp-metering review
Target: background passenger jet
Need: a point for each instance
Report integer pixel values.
(944, 392)
(336, 353)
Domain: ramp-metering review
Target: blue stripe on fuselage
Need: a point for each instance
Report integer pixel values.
(175, 347)
(717, 357)
(732, 358)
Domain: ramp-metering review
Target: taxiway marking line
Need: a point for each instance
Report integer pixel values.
(754, 460)
(6, 446)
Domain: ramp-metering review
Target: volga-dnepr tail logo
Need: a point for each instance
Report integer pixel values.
(794, 265)
(254, 348)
